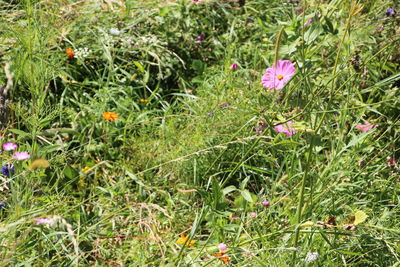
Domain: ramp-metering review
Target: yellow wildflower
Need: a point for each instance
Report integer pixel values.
(184, 240)
(86, 169)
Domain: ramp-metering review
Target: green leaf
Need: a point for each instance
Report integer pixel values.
(312, 34)
(70, 172)
(198, 66)
(139, 66)
(164, 11)
(50, 148)
(19, 132)
(228, 189)
(135, 178)
(246, 195)
(348, 252)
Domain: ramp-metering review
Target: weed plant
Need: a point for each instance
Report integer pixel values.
(145, 135)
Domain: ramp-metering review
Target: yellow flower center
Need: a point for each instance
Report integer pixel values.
(280, 77)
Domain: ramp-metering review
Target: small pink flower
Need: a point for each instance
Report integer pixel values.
(234, 66)
(365, 127)
(285, 128)
(308, 22)
(9, 146)
(21, 155)
(222, 247)
(196, 1)
(390, 162)
(43, 220)
(266, 203)
(277, 77)
(253, 214)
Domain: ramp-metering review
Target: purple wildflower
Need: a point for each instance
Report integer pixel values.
(8, 169)
(390, 12)
(308, 22)
(234, 66)
(261, 126)
(200, 38)
(224, 105)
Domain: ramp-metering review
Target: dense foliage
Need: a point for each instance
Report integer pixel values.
(152, 133)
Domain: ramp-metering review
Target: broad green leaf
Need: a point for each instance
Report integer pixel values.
(247, 195)
(70, 172)
(228, 189)
(19, 132)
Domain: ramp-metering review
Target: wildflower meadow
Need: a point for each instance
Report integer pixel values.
(200, 133)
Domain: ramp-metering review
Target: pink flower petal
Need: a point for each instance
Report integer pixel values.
(277, 77)
(285, 128)
(43, 220)
(365, 127)
(222, 247)
(266, 203)
(21, 155)
(9, 146)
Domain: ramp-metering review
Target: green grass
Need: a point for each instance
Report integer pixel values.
(188, 159)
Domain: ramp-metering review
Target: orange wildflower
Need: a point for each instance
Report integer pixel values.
(143, 100)
(184, 240)
(222, 257)
(110, 116)
(70, 52)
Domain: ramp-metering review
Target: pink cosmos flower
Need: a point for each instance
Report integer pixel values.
(265, 203)
(365, 127)
(9, 146)
(222, 247)
(285, 128)
(21, 155)
(234, 66)
(43, 220)
(277, 77)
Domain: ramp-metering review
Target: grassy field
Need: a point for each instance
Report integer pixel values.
(200, 133)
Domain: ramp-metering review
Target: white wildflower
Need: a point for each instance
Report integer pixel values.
(115, 31)
(311, 256)
(82, 53)
(128, 41)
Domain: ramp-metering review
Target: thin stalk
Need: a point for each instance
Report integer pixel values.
(352, 12)
(277, 45)
(301, 198)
